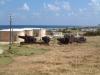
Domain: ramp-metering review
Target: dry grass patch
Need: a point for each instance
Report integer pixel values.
(72, 59)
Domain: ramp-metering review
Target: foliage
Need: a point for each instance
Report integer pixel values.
(69, 30)
(90, 33)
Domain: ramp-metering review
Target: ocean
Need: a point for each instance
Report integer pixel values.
(36, 26)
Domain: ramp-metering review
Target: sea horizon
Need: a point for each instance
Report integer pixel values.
(42, 26)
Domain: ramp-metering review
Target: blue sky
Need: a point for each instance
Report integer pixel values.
(50, 12)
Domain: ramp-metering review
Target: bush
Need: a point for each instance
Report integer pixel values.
(90, 33)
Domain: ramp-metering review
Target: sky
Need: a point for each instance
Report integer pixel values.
(50, 12)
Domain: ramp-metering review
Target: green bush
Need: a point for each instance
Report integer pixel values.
(90, 33)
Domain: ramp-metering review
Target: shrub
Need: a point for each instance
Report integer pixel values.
(90, 33)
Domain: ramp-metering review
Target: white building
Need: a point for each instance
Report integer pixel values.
(89, 29)
(5, 34)
(57, 34)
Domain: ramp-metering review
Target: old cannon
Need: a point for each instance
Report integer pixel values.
(63, 40)
(28, 39)
(71, 38)
(46, 39)
(80, 39)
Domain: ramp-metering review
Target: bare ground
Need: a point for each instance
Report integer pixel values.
(72, 59)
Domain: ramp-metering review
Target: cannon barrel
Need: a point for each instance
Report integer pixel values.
(23, 37)
(28, 39)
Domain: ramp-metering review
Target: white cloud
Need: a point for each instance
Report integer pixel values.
(71, 14)
(95, 5)
(58, 7)
(66, 6)
(4, 1)
(57, 14)
(93, 9)
(25, 7)
(53, 7)
(82, 10)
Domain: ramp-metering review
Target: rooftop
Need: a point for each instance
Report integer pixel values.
(22, 29)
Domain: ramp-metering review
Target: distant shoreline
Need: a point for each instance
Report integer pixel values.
(38, 26)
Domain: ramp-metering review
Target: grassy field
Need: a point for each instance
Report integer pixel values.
(72, 59)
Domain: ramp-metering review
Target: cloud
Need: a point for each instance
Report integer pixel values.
(4, 1)
(95, 5)
(62, 7)
(71, 14)
(53, 7)
(57, 14)
(58, 7)
(82, 10)
(66, 6)
(92, 9)
(25, 7)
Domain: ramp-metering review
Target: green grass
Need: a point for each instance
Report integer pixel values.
(26, 50)
(5, 60)
(5, 57)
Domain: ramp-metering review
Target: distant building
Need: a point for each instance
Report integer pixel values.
(88, 29)
(57, 34)
(5, 34)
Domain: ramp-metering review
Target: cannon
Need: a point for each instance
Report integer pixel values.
(71, 39)
(80, 39)
(46, 39)
(28, 39)
(63, 40)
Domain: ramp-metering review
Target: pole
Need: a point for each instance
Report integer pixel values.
(40, 35)
(10, 37)
(12, 32)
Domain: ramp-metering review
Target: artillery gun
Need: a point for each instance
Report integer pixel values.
(80, 39)
(28, 39)
(46, 39)
(63, 40)
(71, 39)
